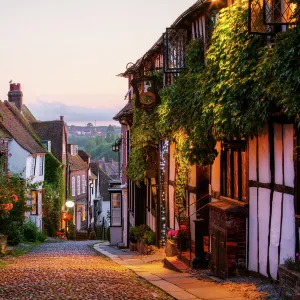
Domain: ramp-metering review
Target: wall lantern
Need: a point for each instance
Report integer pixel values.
(116, 146)
(70, 204)
(145, 89)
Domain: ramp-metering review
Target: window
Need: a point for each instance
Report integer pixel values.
(41, 166)
(234, 170)
(83, 183)
(33, 163)
(34, 208)
(78, 185)
(73, 186)
(115, 209)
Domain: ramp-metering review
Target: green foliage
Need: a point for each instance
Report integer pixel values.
(14, 233)
(291, 264)
(149, 238)
(30, 232)
(107, 234)
(133, 234)
(54, 194)
(41, 236)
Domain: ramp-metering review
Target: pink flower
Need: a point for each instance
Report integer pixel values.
(10, 154)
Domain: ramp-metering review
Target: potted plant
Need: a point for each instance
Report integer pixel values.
(171, 245)
(182, 238)
(133, 238)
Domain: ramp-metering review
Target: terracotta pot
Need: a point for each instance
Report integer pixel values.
(132, 246)
(3, 238)
(171, 248)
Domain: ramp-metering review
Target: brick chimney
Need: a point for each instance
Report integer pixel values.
(15, 95)
(62, 118)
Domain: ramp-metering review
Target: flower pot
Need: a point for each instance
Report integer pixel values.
(171, 248)
(132, 246)
(3, 238)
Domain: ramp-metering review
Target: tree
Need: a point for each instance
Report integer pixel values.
(110, 134)
(89, 125)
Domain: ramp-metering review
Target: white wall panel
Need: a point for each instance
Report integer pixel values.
(275, 234)
(263, 218)
(288, 229)
(264, 157)
(171, 207)
(253, 229)
(278, 153)
(288, 142)
(252, 159)
(193, 208)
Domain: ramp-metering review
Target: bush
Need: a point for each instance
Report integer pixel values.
(142, 229)
(15, 233)
(149, 238)
(133, 234)
(291, 264)
(41, 237)
(30, 232)
(107, 234)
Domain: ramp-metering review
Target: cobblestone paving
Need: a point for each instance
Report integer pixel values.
(72, 270)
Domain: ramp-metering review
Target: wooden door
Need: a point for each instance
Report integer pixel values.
(218, 253)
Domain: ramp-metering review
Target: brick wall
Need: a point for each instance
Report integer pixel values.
(289, 283)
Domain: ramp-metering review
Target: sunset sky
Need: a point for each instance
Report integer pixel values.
(66, 53)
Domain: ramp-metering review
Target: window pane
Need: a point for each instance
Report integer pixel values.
(116, 200)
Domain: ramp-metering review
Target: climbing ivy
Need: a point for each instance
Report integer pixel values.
(228, 95)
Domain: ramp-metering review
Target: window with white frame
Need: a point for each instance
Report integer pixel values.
(73, 186)
(115, 209)
(78, 185)
(41, 166)
(33, 163)
(83, 183)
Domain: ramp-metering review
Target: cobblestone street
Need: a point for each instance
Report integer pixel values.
(72, 270)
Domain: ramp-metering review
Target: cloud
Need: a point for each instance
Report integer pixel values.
(46, 111)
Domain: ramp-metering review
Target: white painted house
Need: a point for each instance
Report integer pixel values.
(25, 155)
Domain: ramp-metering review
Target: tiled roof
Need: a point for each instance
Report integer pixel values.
(76, 163)
(92, 176)
(20, 133)
(4, 134)
(95, 168)
(85, 156)
(52, 131)
(126, 111)
(27, 114)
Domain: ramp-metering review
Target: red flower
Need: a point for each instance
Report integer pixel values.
(15, 198)
(182, 227)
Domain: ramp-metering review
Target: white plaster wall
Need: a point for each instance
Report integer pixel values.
(252, 159)
(288, 238)
(193, 217)
(263, 217)
(275, 234)
(288, 141)
(125, 215)
(264, 157)
(278, 153)
(253, 244)
(17, 158)
(193, 176)
(172, 162)
(171, 207)
(216, 171)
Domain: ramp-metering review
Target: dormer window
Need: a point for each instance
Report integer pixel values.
(74, 149)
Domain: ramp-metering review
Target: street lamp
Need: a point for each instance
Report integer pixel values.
(70, 204)
(116, 148)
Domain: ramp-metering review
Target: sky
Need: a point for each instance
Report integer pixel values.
(66, 53)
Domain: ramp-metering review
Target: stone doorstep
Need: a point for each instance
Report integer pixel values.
(173, 263)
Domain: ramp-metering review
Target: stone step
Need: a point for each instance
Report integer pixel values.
(173, 263)
(81, 235)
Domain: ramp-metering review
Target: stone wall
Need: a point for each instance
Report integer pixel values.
(289, 283)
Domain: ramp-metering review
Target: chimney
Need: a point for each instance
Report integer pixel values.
(15, 95)
(62, 118)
